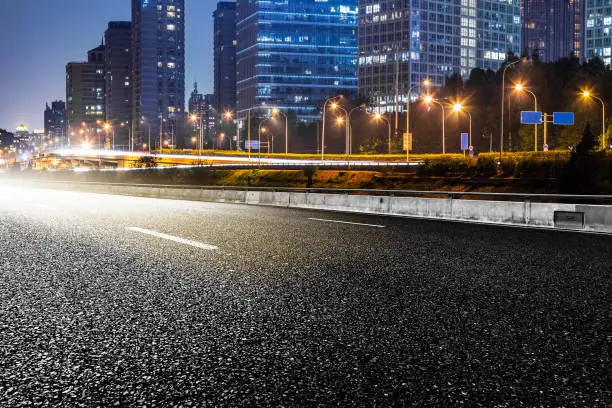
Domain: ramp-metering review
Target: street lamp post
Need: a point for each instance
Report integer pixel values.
(426, 82)
(521, 88)
(458, 107)
(503, 96)
(360, 107)
(259, 131)
(275, 112)
(588, 94)
(378, 116)
(347, 125)
(429, 99)
(323, 130)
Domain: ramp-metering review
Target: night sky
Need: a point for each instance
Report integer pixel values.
(39, 37)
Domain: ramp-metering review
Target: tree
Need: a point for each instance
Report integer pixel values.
(588, 143)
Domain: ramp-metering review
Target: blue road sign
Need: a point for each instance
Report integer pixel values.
(254, 144)
(464, 141)
(563, 118)
(531, 118)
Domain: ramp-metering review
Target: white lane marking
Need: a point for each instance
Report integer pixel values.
(173, 238)
(346, 222)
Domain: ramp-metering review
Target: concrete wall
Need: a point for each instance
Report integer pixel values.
(596, 217)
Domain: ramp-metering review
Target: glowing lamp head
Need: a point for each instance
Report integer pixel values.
(106, 126)
(428, 99)
(427, 82)
(334, 105)
(193, 139)
(194, 118)
(340, 120)
(586, 94)
(263, 130)
(457, 107)
(377, 116)
(228, 115)
(275, 111)
(519, 87)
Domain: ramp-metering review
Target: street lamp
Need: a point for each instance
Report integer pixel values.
(130, 141)
(198, 119)
(259, 132)
(361, 107)
(428, 99)
(276, 112)
(341, 120)
(458, 107)
(503, 97)
(587, 95)
(426, 83)
(378, 116)
(334, 104)
(521, 88)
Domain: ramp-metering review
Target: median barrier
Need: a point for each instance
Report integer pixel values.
(525, 212)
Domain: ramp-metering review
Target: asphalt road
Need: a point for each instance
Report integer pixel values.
(124, 301)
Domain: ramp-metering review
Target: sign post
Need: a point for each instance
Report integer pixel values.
(407, 144)
(465, 142)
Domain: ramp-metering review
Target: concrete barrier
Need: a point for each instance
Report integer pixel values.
(597, 218)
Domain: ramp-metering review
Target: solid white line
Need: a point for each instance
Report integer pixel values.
(346, 222)
(173, 238)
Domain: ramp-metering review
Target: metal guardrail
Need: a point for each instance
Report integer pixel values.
(567, 198)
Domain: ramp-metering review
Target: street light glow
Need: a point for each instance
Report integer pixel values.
(228, 114)
(586, 94)
(457, 107)
(427, 82)
(377, 116)
(334, 105)
(519, 87)
(275, 111)
(428, 99)
(340, 120)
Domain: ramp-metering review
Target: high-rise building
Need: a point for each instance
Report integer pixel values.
(158, 80)
(85, 102)
(196, 109)
(225, 56)
(295, 54)
(552, 29)
(55, 122)
(202, 110)
(118, 71)
(598, 30)
(400, 46)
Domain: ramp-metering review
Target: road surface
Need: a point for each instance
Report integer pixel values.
(124, 301)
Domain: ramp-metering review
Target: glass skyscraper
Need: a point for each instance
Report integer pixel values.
(403, 42)
(598, 30)
(158, 46)
(293, 54)
(552, 29)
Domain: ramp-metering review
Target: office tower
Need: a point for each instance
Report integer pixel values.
(552, 29)
(399, 47)
(85, 84)
(158, 80)
(55, 122)
(118, 71)
(597, 31)
(295, 54)
(225, 56)
(196, 110)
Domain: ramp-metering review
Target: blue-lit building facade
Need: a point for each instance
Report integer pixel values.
(403, 42)
(552, 29)
(293, 54)
(158, 80)
(598, 30)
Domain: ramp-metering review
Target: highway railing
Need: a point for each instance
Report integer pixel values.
(521, 197)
